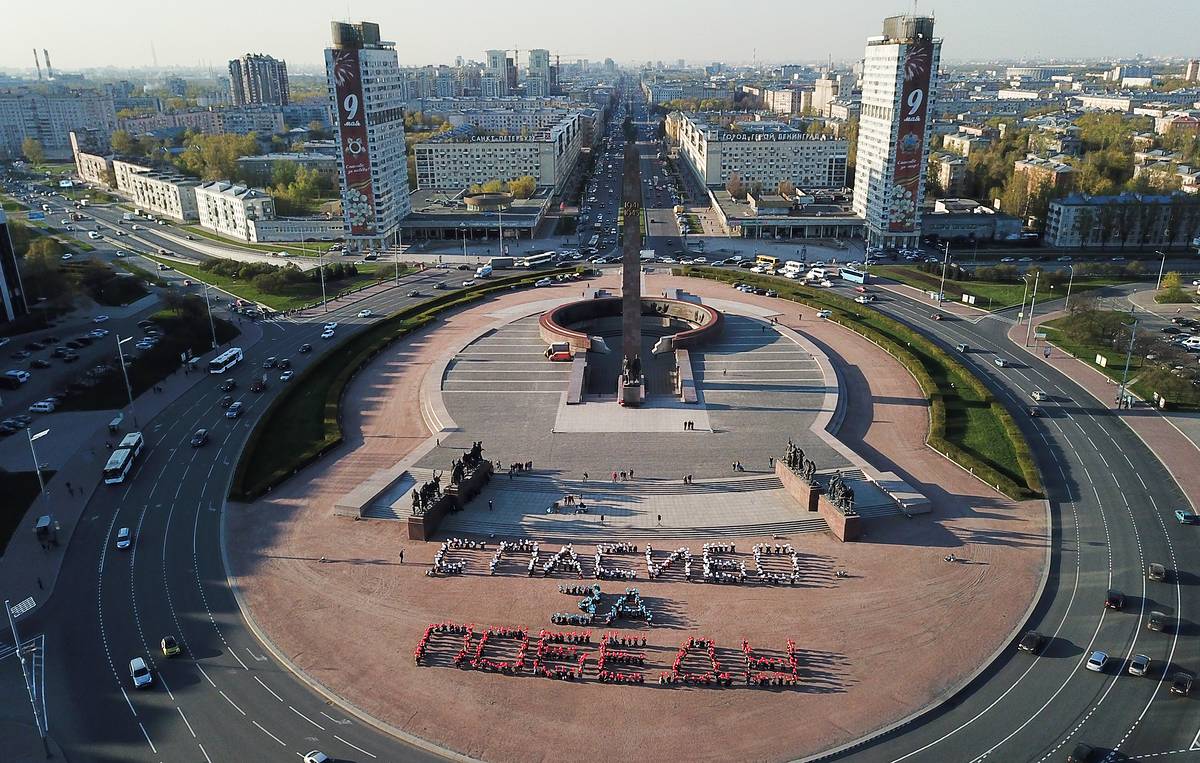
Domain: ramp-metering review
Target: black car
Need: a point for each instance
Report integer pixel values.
(1114, 599)
(285, 364)
(1082, 753)
(70, 357)
(464, 267)
(39, 363)
(225, 401)
(59, 352)
(1181, 683)
(306, 347)
(270, 362)
(199, 438)
(228, 384)
(74, 344)
(1031, 642)
(21, 355)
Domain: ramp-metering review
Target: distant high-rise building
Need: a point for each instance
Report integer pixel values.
(1192, 73)
(610, 65)
(258, 80)
(366, 88)
(495, 73)
(899, 81)
(176, 86)
(49, 116)
(825, 90)
(12, 298)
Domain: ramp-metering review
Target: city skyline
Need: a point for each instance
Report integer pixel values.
(665, 31)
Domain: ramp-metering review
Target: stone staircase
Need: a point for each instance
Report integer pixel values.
(562, 529)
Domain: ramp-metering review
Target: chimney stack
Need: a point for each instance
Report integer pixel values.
(49, 68)
(38, 64)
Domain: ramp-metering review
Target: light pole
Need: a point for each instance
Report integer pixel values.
(1032, 306)
(1128, 356)
(462, 228)
(945, 264)
(211, 324)
(321, 272)
(500, 212)
(1161, 266)
(37, 718)
(396, 257)
(36, 465)
(1024, 294)
(1069, 282)
(125, 374)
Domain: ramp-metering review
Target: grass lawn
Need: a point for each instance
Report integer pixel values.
(10, 204)
(295, 298)
(20, 489)
(1114, 356)
(1179, 296)
(991, 295)
(307, 250)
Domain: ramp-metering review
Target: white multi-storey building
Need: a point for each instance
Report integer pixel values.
(898, 84)
(162, 193)
(230, 209)
(759, 152)
(49, 117)
(365, 87)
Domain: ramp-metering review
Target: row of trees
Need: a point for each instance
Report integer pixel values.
(739, 189)
(277, 279)
(296, 188)
(1134, 223)
(521, 188)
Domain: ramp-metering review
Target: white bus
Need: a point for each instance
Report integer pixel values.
(537, 260)
(225, 361)
(854, 275)
(121, 460)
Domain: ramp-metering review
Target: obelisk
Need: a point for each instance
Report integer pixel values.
(631, 385)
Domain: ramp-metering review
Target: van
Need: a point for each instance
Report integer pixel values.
(42, 406)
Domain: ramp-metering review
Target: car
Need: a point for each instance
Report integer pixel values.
(199, 438)
(1185, 517)
(284, 364)
(42, 406)
(1139, 665)
(306, 347)
(414, 293)
(20, 376)
(270, 362)
(98, 333)
(124, 538)
(70, 357)
(170, 647)
(543, 282)
(1034, 412)
(234, 410)
(464, 267)
(1157, 621)
(1114, 599)
(100, 319)
(228, 384)
(470, 282)
(364, 313)
(1000, 362)
(286, 376)
(1097, 662)
(259, 384)
(139, 671)
(1156, 571)
(1031, 642)
(225, 401)
(327, 334)
(824, 313)
(1065, 258)
(1038, 395)
(1181, 683)
(865, 299)
(962, 348)
(316, 756)
(331, 326)
(1081, 753)
(39, 363)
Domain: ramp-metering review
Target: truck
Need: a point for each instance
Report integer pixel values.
(646, 255)
(129, 216)
(484, 271)
(501, 263)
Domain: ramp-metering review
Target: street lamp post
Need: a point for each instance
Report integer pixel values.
(1128, 355)
(1069, 282)
(211, 324)
(396, 256)
(1024, 294)
(1161, 266)
(37, 718)
(945, 264)
(1032, 306)
(321, 272)
(37, 466)
(125, 375)
(462, 228)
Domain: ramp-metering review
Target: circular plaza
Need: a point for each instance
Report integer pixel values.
(650, 571)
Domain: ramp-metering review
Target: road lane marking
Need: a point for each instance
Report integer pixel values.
(185, 721)
(305, 717)
(147, 735)
(268, 688)
(204, 753)
(163, 680)
(206, 678)
(227, 699)
(126, 696)
(343, 741)
(268, 733)
(342, 722)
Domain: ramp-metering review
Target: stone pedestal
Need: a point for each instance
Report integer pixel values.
(455, 498)
(844, 528)
(631, 395)
(811, 498)
(805, 494)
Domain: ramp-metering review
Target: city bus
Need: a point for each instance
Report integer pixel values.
(854, 274)
(122, 459)
(767, 261)
(225, 361)
(538, 260)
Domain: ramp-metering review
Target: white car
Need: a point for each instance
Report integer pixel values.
(1097, 661)
(1139, 665)
(93, 234)
(364, 313)
(468, 283)
(543, 282)
(139, 671)
(827, 283)
(124, 538)
(327, 334)
(286, 376)
(331, 326)
(100, 319)
(66, 256)
(120, 253)
(316, 756)
(98, 333)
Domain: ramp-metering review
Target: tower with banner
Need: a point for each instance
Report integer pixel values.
(899, 84)
(366, 92)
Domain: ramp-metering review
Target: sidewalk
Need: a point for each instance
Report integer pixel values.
(1173, 437)
(26, 569)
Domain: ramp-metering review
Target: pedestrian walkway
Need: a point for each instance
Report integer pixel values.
(26, 568)
(1173, 436)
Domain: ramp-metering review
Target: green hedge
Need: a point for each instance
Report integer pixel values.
(966, 423)
(304, 422)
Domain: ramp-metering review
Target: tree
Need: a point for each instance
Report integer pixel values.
(214, 157)
(786, 188)
(522, 187)
(493, 186)
(735, 186)
(123, 143)
(1172, 281)
(33, 151)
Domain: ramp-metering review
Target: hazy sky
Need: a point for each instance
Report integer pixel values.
(90, 33)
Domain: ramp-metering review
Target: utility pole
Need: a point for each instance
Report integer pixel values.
(1032, 306)
(945, 264)
(37, 718)
(396, 258)
(1128, 356)
(212, 325)
(1069, 282)
(125, 374)
(1161, 266)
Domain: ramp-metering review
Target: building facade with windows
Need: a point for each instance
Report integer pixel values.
(366, 94)
(256, 79)
(49, 117)
(12, 296)
(759, 152)
(229, 209)
(899, 83)
(166, 194)
(1152, 220)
